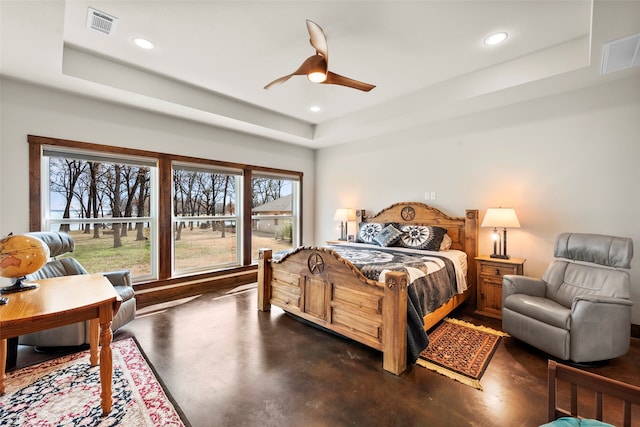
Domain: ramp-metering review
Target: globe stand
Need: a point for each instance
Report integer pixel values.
(18, 286)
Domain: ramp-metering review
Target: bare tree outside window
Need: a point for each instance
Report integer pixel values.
(105, 196)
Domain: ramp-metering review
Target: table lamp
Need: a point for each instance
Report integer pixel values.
(500, 218)
(344, 216)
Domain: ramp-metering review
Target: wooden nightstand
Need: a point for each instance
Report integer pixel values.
(490, 272)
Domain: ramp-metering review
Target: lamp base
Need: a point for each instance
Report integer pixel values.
(18, 286)
(500, 256)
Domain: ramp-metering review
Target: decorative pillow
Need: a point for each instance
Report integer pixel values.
(388, 236)
(368, 231)
(422, 237)
(446, 243)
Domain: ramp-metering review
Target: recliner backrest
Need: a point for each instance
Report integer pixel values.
(589, 264)
(59, 244)
(58, 268)
(567, 280)
(609, 251)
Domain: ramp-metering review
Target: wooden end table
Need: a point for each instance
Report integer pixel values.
(62, 301)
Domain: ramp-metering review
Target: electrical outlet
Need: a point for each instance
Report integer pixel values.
(432, 195)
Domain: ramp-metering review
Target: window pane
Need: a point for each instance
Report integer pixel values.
(202, 244)
(274, 216)
(205, 218)
(106, 207)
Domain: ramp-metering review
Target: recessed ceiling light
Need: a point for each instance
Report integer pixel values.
(496, 38)
(314, 108)
(143, 43)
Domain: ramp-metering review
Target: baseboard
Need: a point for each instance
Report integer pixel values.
(187, 288)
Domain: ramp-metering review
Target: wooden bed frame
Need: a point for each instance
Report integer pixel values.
(319, 286)
(601, 386)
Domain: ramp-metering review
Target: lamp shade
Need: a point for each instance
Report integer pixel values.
(343, 214)
(501, 218)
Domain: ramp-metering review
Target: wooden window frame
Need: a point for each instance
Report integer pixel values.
(165, 183)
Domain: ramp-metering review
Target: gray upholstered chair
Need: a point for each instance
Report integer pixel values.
(78, 333)
(580, 310)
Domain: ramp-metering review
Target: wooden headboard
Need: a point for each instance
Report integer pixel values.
(462, 230)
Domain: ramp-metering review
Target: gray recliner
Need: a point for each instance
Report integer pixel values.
(580, 310)
(78, 333)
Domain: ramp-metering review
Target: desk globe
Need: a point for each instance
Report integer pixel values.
(21, 255)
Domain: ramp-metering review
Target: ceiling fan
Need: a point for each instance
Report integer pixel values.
(316, 66)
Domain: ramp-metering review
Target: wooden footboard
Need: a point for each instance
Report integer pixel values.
(318, 285)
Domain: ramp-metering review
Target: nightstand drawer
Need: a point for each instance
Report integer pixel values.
(489, 269)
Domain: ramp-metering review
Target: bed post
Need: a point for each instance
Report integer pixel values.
(264, 279)
(471, 248)
(394, 321)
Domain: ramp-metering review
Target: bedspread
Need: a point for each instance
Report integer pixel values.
(433, 280)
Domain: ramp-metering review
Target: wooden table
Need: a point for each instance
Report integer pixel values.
(61, 301)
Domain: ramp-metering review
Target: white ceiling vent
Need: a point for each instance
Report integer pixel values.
(101, 21)
(621, 54)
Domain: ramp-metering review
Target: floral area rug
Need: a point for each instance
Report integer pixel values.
(66, 392)
(460, 350)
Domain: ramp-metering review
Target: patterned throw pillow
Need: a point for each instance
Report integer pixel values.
(368, 231)
(388, 236)
(422, 237)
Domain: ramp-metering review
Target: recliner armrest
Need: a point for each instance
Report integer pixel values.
(591, 299)
(119, 277)
(590, 310)
(514, 284)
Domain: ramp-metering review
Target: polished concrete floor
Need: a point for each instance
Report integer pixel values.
(227, 364)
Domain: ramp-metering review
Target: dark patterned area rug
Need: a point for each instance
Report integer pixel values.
(460, 350)
(66, 391)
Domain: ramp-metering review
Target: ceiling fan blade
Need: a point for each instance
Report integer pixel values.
(318, 39)
(276, 82)
(311, 63)
(337, 79)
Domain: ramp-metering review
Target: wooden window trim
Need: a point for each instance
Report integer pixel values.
(165, 226)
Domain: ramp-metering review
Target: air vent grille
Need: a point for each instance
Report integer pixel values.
(101, 21)
(621, 54)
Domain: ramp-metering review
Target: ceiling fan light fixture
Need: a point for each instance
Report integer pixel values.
(317, 76)
(496, 38)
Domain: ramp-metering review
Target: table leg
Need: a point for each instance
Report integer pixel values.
(12, 353)
(93, 341)
(3, 361)
(106, 367)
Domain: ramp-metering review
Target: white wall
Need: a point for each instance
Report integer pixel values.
(27, 109)
(566, 163)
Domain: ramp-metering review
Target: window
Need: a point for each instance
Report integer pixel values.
(206, 218)
(164, 217)
(274, 212)
(105, 204)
